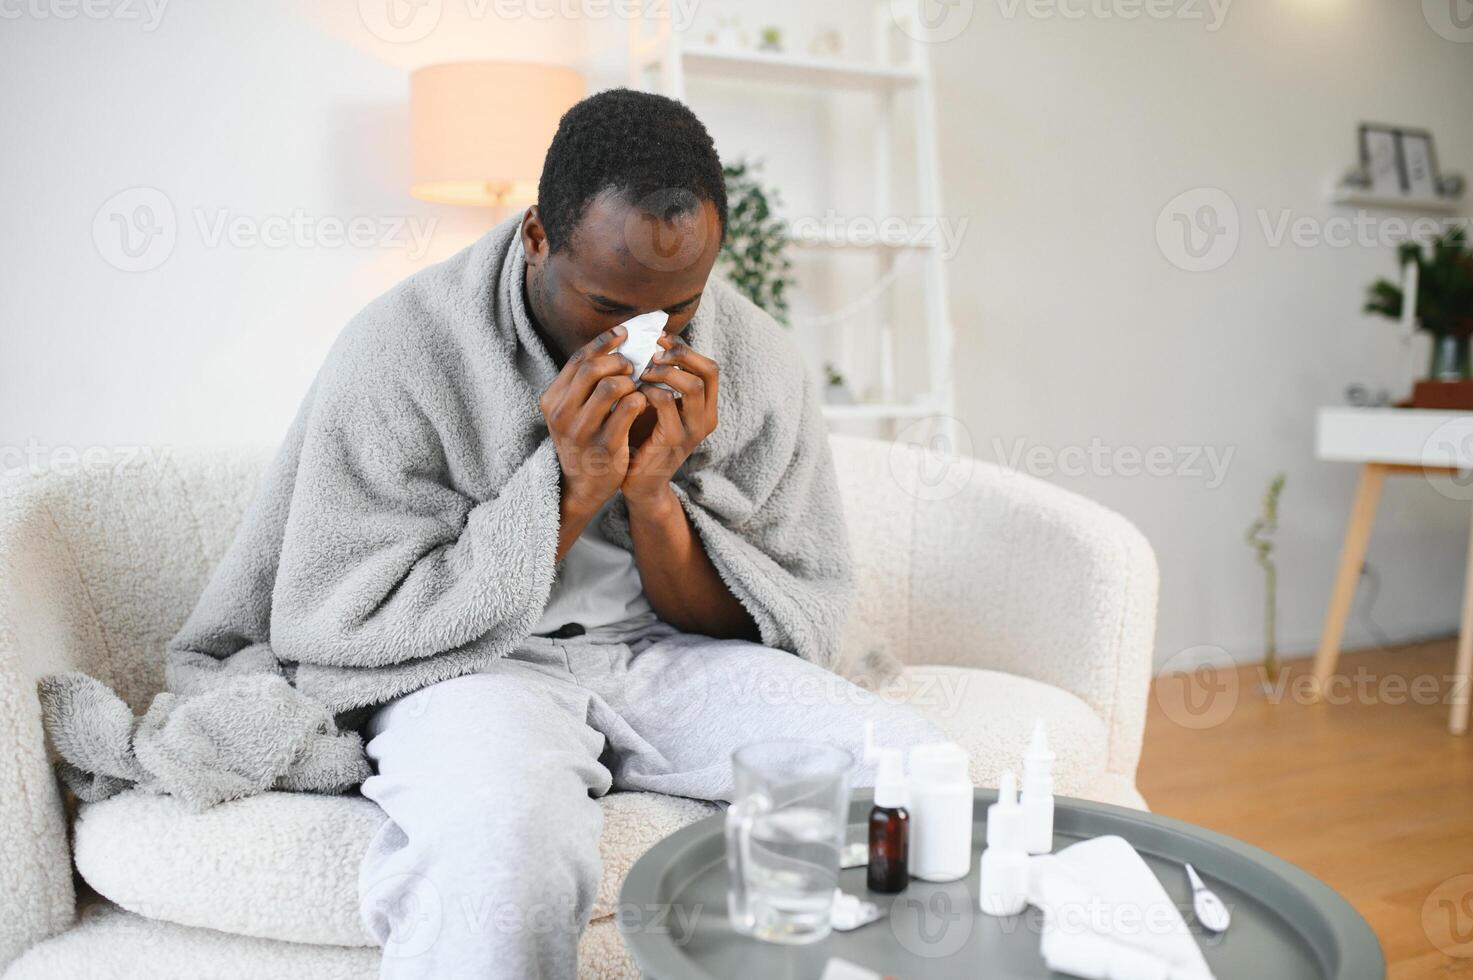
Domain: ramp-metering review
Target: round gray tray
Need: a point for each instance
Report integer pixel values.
(1286, 924)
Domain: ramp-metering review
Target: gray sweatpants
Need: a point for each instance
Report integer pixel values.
(489, 862)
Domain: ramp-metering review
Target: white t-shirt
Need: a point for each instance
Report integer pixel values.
(598, 584)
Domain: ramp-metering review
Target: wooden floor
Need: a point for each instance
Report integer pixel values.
(1372, 796)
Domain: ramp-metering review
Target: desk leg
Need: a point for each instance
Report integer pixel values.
(1352, 558)
(1463, 672)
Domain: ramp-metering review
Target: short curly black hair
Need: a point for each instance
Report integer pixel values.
(645, 147)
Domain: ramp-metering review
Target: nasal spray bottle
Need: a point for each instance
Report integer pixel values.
(1002, 885)
(1038, 793)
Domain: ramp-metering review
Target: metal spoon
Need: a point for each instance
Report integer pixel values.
(1209, 908)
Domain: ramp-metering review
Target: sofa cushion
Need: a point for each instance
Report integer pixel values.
(285, 865)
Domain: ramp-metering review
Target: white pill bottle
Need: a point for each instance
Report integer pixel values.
(940, 812)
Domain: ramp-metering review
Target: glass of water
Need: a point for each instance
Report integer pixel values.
(784, 831)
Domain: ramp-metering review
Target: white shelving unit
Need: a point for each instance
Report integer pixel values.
(660, 59)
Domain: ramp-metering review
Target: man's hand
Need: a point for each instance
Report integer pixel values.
(589, 408)
(682, 584)
(681, 423)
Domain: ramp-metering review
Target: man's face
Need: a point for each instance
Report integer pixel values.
(621, 261)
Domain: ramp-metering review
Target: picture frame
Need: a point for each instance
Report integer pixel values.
(1399, 161)
(1380, 158)
(1419, 163)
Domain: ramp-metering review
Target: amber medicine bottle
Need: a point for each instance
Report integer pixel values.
(889, 827)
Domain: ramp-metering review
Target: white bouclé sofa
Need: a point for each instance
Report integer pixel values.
(999, 598)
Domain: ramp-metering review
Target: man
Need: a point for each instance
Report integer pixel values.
(540, 577)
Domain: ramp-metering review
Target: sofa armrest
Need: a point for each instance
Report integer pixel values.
(964, 563)
(37, 898)
(100, 564)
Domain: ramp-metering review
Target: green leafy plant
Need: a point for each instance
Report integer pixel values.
(1444, 286)
(754, 258)
(1260, 539)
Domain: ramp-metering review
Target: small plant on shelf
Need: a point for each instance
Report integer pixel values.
(755, 258)
(835, 391)
(1444, 298)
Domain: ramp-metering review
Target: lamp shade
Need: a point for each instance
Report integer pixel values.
(479, 130)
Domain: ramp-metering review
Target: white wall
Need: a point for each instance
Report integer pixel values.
(1062, 141)
(277, 116)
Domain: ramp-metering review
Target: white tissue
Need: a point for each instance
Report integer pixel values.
(837, 969)
(1106, 916)
(640, 347)
(849, 912)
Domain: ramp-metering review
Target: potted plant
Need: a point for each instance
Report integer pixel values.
(754, 257)
(1444, 288)
(1260, 538)
(835, 391)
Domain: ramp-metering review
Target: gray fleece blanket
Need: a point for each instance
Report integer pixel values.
(406, 532)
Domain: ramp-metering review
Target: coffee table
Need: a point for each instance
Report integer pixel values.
(1286, 924)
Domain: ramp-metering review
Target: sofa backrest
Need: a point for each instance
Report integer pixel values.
(101, 563)
(107, 559)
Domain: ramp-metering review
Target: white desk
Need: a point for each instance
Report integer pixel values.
(1437, 445)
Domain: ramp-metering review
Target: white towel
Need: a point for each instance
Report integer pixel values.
(1106, 916)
